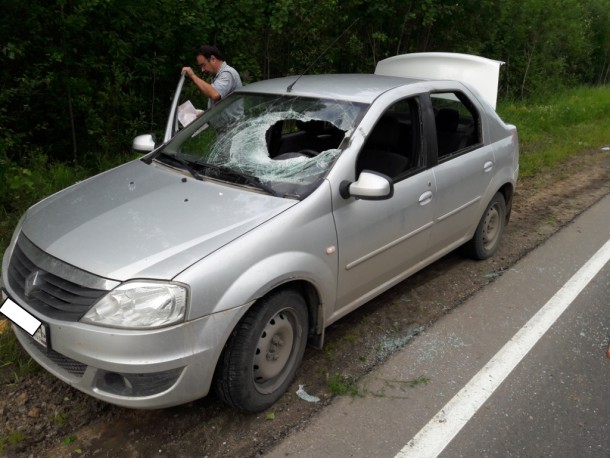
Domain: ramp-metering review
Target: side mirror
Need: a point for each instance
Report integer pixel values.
(143, 143)
(369, 186)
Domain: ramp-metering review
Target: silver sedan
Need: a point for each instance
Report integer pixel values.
(215, 258)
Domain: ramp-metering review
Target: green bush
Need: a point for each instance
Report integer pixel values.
(30, 181)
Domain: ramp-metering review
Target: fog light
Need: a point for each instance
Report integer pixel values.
(136, 385)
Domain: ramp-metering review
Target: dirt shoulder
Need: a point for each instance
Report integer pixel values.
(41, 416)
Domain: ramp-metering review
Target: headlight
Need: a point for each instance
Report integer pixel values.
(140, 305)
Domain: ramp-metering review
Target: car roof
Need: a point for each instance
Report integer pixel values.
(364, 88)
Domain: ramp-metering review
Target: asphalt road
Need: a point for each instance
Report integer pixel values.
(521, 369)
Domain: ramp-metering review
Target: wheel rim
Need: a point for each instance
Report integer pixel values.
(491, 227)
(274, 353)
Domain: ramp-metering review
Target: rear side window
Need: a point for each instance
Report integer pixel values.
(457, 124)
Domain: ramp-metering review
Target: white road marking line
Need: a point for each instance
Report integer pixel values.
(432, 439)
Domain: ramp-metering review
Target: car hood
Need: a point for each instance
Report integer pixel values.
(144, 221)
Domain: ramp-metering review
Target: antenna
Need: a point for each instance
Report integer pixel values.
(289, 88)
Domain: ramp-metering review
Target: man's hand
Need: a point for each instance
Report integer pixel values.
(189, 71)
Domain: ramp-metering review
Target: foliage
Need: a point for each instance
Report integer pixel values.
(68, 440)
(35, 177)
(15, 364)
(83, 77)
(570, 122)
(340, 385)
(80, 78)
(12, 438)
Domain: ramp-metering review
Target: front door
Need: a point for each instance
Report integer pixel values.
(381, 242)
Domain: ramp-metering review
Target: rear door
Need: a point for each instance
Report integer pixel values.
(463, 171)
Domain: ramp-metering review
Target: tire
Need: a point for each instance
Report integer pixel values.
(486, 239)
(264, 352)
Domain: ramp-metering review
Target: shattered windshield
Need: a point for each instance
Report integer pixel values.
(285, 144)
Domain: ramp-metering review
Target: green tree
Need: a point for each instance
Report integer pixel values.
(82, 77)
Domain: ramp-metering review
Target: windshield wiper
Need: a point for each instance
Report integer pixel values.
(248, 179)
(184, 163)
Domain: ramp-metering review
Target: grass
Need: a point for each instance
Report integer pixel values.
(59, 419)
(570, 123)
(15, 364)
(68, 440)
(11, 438)
(421, 380)
(339, 385)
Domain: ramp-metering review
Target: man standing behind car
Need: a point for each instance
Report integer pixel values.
(225, 78)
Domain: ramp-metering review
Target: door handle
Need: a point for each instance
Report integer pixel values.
(488, 166)
(425, 198)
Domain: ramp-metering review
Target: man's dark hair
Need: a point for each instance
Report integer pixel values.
(208, 51)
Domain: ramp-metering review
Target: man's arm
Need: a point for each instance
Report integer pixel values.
(206, 88)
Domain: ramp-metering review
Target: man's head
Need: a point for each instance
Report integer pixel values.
(209, 59)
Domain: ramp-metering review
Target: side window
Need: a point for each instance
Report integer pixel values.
(394, 145)
(457, 124)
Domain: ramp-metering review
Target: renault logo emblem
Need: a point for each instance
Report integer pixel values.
(33, 282)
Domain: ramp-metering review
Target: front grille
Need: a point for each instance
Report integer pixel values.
(69, 365)
(48, 293)
(73, 367)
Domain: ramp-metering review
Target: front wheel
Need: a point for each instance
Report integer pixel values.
(486, 239)
(264, 352)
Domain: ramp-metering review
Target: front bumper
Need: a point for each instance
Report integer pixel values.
(146, 369)
(138, 369)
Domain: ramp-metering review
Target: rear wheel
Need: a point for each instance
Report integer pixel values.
(264, 352)
(486, 239)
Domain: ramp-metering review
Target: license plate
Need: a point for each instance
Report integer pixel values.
(25, 320)
(41, 336)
